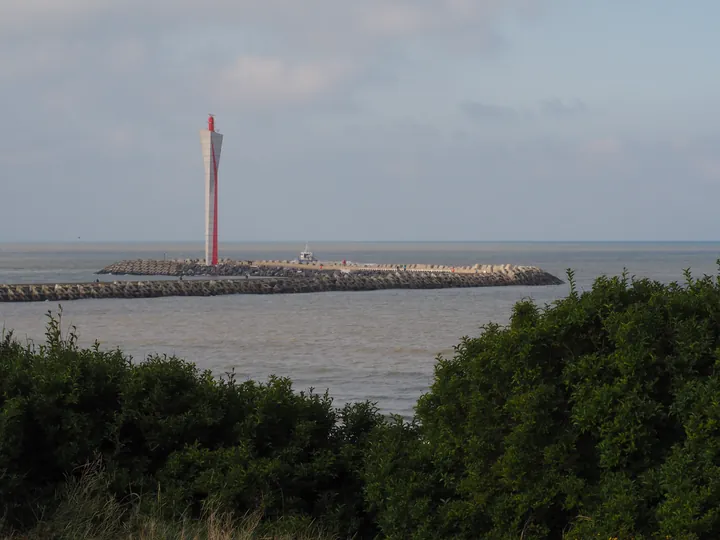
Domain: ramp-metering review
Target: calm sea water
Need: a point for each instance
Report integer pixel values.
(378, 345)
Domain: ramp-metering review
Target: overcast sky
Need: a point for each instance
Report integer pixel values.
(361, 120)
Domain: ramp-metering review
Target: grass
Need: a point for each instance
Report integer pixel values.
(87, 510)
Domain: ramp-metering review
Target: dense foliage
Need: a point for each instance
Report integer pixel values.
(598, 417)
(595, 417)
(163, 426)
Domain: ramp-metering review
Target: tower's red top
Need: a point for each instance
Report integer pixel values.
(211, 122)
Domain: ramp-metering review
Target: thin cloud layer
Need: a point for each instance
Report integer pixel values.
(270, 80)
(250, 53)
(483, 111)
(554, 107)
(446, 109)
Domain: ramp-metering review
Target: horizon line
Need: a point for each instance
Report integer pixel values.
(200, 242)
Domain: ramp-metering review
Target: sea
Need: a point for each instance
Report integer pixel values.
(378, 345)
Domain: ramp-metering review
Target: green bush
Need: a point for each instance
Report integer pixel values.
(163, 426)
(596, 417)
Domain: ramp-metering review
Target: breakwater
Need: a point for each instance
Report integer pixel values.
(227, 268)
(320, 282)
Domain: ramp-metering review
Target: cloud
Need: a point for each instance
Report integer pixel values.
(396, 19)
(269, 81)
(483, 111)
(349, 20)
(701, 153)
(27, 61)
(710, 168)
(17, 18)
(557, 107)
(348, 108)
(265, 53)
(401, 18)
(116, 59)
(604, 146)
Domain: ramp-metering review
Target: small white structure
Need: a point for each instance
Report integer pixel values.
(306, 256)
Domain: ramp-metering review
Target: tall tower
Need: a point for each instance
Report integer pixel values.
(211, 144)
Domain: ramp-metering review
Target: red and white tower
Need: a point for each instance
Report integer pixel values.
(211, 143)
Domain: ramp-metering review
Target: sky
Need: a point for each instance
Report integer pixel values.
(437, 120)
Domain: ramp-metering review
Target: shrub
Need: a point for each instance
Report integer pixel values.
(58, 405)
(164, 425)
(596, 417)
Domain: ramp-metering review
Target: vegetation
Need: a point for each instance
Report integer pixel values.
(162, 428)
(595, 417)
(85, 508)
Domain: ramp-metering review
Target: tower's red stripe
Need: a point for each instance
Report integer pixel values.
(215, 206)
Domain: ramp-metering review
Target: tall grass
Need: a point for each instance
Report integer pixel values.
(86, 509)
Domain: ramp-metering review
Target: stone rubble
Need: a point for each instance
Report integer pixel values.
(278, 279)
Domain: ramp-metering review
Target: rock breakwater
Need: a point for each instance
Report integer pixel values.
(321, 282)
(227, 268)
(143, 267)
